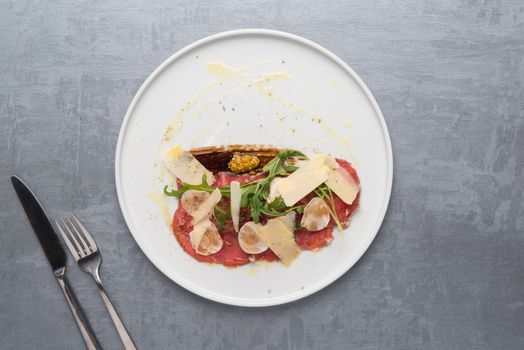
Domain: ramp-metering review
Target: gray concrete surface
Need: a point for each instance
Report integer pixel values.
(447, 268)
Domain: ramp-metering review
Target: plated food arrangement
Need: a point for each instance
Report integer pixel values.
(259, 228)
(242, 203)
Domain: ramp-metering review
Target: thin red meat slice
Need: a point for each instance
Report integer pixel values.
(307, 240)
(343, 210)
(268, 255)
(231, 254)
(224, 178)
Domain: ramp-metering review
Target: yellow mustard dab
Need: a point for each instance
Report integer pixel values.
(240, 163)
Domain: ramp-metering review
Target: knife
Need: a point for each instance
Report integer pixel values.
(55, 254)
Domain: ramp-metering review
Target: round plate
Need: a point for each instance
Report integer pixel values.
(289, 92)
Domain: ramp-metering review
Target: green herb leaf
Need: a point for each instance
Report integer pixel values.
(271, 212)
(255, 193)
(247, 193)
(300, 209)
(218, 218)
(203, 186)
(173, 192)
(324, 193)
(256, 206)
(290, 168)
(278, 204)
(291, 153)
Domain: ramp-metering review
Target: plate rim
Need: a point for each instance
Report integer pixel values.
(187, 284)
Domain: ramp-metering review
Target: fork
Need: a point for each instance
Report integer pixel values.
(85, 251)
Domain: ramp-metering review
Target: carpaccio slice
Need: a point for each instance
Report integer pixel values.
(231, 254)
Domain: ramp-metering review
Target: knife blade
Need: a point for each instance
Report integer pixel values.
(55, 254)
(41, 225)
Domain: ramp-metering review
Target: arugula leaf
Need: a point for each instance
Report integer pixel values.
(173, 192)
(218, 219)
(255, 193)
(278, 204)
(256, 197)
(265, 210)
(258, 200)
(290, 168)
(275, 165)
(291, 153)
(222, 216)
(225, 190)
(186, 187)
(299, 208)
(256, 207)
(247, 193)
(323, 192)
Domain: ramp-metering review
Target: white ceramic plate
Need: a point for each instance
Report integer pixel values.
(258, 105)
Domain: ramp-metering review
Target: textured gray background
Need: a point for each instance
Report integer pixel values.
(447, 268)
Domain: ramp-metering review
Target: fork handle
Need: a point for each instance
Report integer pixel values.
(78, 314)
(122, 331)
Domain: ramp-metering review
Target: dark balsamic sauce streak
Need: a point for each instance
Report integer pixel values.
(216, 158)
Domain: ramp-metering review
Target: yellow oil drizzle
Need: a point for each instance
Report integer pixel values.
(315, 118)
(176, 125)
(223, 71)
(329, 130)
(198, 112)
(253, 271)
(198, 104)
(160, 200)
(276, 76)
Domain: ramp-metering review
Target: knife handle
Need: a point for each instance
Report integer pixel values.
(78, 314)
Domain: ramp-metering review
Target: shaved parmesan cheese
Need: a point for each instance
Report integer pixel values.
(280, 239)
(205, 238)
(186, 167)
(248, 239)
(329, 161)
(192, 200)
(316, 215)
(273, 192)
(304, 180)
(207, 206)
(236, 195)
(288, 220)
(344, 186)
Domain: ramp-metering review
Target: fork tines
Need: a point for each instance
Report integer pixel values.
(78, 240)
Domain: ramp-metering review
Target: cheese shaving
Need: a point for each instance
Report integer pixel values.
(300, 183)
(205, 238)
(207, 206)
(343, 185)
(280, 240)
(186, 167)
(236, 196)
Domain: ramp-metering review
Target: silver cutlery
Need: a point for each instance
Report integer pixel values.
(85, 251)
(55, 254)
